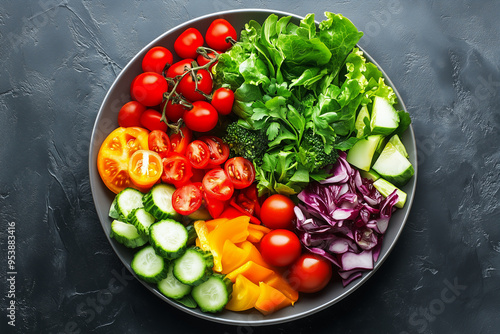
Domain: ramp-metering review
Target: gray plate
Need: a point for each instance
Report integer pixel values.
(106, 122)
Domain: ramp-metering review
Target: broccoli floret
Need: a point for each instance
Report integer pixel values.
(314, 155)
(246, 143)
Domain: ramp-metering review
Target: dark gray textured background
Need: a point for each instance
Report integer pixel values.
(57, 60)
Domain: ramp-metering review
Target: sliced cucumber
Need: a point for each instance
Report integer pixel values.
(126, 234)
(158, 202)
(113, 211)
(142, 220)
(172, 287)
(194, 266)
(393, 166)
(169, 238)
(371, 174)
(386, 188)
(361, 154)
(213, 294)
(149, 266)
(361, 122)
(384, 118)
(128, 200)
(398, 144)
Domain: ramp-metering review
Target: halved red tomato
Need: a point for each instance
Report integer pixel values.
(187, 199)
(219, 150)
(159, 142)
(176, 169)
(145, 168)
(115, 153)
(216, 184)
(198, 154)
(240, 171)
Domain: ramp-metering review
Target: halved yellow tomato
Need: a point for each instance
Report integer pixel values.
(145, 168)
(114, 155)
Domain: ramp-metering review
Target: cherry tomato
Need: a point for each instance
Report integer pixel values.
(216, 184)
(214, 206)
(157, 59)
(240, 171)
(198, 175)
(310, 273)
(187, 199)
(159, 142)
(115, 153)
(179, 68)
(180, 140)
(151, 120)
(145, 168)
(186, 44)
(217, 33)
(222, 100)
(202, 60)
(219, 151)
(198, 154)
(277, 212)
(173, 111)
(176, 169)
(130, 114)
(280, 247)
(202, 117)
(148, 88)
(187, 86)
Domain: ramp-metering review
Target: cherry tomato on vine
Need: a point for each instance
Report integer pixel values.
(310, 273)
(157, 59)
(151, 120)
(203, 82)
(280, 247)
(222, 100)
(147, 88)
(202, 60)
(216, 184)
(219, 151)
(130, 114)
(202, 117)
(240, 171)
(176, 169)
(187, 199)
(217, 33)
(173, 111)
(186, 44)
(179, 68)
(159, 142)
(145, 168)
(179, 141)
(198, 154)
(277, 212)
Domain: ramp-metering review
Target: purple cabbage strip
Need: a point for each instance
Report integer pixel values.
(343, 218)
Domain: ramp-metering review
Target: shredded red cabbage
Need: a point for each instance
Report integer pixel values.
(343, 218)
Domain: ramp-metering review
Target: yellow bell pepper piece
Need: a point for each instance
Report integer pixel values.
(279, 283)
(251, 270)
(270, 300)
(245, 294)
(202, 232)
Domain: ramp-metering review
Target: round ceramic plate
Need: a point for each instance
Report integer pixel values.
(106, 122)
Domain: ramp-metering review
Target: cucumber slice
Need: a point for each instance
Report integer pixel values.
(158, 202)
(126, 234)
(194, 266)
(386, 188)
(172, 287)
(169, 238)
(385, 118)
(149, 266)
(127, 200)
(113, 211)
(361, 122)
(142, 220)
(213, 294)
(371, 175)
(393, 166)
(398, 144)
(361, 154)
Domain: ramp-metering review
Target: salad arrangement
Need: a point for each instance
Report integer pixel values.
(248, 170)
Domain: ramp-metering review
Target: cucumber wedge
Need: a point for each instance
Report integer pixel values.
(398, 144)
(361, 154)
(371, 175)
(386, 188)
(393, 166)
(360, 125)
(385, 118)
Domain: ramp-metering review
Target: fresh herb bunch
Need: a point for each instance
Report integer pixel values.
(302, 87)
